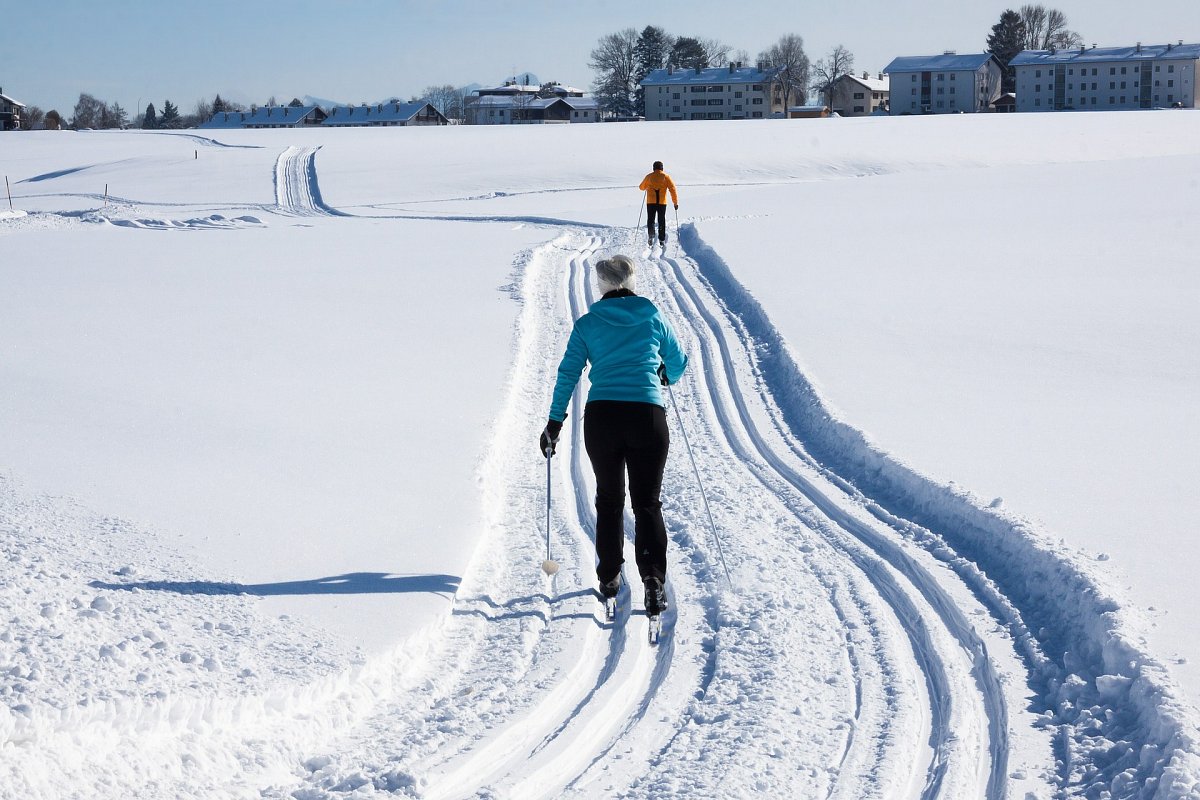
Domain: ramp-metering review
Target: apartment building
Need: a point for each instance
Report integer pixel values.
(945, 84)
(732, 92)
(860, 96)
(1107, 78)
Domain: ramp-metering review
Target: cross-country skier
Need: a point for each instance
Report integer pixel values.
(656, 185)
(633, 353)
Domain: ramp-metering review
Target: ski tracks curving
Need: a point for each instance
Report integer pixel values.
(844, 663)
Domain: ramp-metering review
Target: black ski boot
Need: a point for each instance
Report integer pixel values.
(656, 597)
(609, 591)
(656, 603)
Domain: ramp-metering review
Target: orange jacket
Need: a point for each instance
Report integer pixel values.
(655, 184)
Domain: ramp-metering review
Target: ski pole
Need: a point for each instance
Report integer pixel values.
(548, 566)
(700, 483)
(641, 205)
(677, 245)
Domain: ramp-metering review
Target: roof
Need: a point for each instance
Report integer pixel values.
(375, 114)
(947, 62)
(12, 101)
(226, 119)
(1079, 54)
(279, 115)
(510, 89)
(874, 84)
(582, 103)
(682, 77)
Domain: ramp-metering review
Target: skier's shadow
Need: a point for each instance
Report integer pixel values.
(350, 583)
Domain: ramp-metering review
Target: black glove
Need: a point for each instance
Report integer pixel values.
(662, 374)
(677, 206)
(549, 437)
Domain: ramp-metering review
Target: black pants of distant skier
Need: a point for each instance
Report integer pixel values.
(628, 437)
(658, 210)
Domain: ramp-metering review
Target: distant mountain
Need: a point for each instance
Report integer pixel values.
(323, 102)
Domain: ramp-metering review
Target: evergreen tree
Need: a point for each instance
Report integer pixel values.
(170, 115)
(688, 53)
(1006, 40)
(295, 103)
(651, 52)
(150, 121)
(218, 105)
(117, 116)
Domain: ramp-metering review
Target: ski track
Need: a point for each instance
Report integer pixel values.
(842, 663)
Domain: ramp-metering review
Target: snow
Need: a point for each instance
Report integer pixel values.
(271, 509)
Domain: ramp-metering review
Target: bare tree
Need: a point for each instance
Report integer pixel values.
(202, 112)
(445, 98)
(740, 57)
(788, 55)
(1047, 28)
(716, 52)
(89, 112)
(32, 118)
(615, 63)
(828, 70)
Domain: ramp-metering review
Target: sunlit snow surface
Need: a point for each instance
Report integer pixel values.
(272, 513)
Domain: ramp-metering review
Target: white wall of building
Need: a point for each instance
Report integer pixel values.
(951, 91)
(1107, 85)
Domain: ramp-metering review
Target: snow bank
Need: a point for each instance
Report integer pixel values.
(1093, 670)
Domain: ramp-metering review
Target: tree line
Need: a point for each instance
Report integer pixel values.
(623, 59)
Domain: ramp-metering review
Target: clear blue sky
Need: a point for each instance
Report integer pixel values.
(133, 51)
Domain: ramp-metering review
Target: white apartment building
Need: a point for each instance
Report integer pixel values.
(732, 92)
(1107, 78)
(945, 84)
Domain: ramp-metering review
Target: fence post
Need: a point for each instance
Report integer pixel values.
(9, 190)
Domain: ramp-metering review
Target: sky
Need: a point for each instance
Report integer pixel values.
(137, 52)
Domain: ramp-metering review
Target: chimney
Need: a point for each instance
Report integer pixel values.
(730, 67)
(697, 70)
(670, 69)
(879, 76)
(1139, 47)
(866, 75)
(949, 52)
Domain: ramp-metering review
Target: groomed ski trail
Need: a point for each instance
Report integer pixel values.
(296, 189)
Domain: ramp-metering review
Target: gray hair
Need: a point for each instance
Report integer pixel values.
(615, 272)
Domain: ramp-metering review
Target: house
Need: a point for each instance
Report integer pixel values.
(1107, 78)
(523, 104)
(10, 113)
(732, 92)
(945, 84)
(1006, 103)
(267, 117)
(808, 112)
(855, 96)
(384, 115)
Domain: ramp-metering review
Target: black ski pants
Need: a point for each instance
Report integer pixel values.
(658, 210)
(619, 437)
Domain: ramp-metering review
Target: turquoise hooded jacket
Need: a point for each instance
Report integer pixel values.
(624, 338)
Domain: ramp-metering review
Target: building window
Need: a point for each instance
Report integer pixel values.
(1170, 68)
(1037, 101)
(1122, 70)
(914, 91)
(941, 76)
(1112, 70)
(1122, 99)
(1112, 101)
(1170, 83)
(1170, 98)
(859, 110)
(674, 95)
(757, 115)
(1037, 73)
(1112, 85)
(858, 96)
(1157, 67)
(757, 101)
(914, 77)
(941, 90)
(941, 104)
(737, 94)
(1093, 86)
(716, 102)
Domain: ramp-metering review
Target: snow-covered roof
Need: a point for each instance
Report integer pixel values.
(683, 77)
(582, 103)
(11, 101)
(510, 89)
(375, 114)
(1090, 54)
(947, 62)
(279, 115)
(225, 119)
(873, 84)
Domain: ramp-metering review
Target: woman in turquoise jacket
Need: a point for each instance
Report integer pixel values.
(633, 353)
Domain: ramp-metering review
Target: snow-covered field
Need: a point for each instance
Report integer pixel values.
(271, 508)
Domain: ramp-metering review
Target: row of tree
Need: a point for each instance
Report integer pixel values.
(623, 59)
(1032, 27)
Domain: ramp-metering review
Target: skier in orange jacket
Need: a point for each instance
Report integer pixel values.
(656, 185)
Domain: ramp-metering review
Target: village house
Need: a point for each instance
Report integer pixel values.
(267, 117)
(1107, 78)
(384, 115)
(732, 92)
(10, 113)
(515, 104)
(945, 84)
(855, 96)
